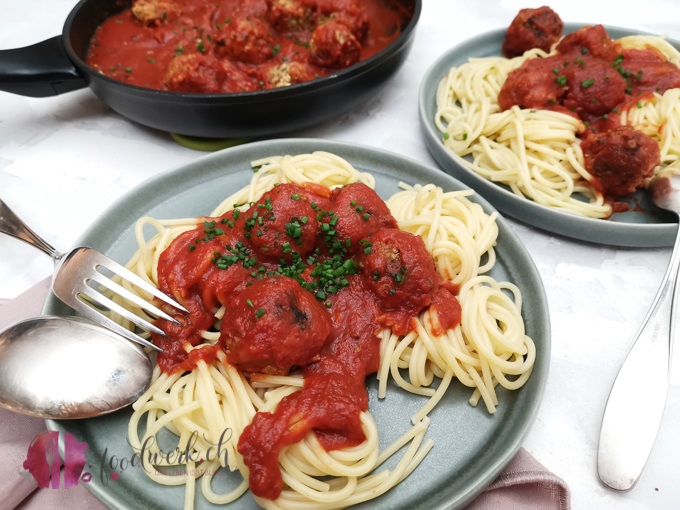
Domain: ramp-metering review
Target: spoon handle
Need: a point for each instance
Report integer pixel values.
(12, 225)
(638, 396)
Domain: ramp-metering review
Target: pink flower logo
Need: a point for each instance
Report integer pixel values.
(44, 461)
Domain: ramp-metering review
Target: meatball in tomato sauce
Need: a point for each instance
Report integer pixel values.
(401, 273)
(589, 41)
(360, 213)
(291, 15)
(621, 160)
(154, 12)
(196, 73)
(650, 70)
(283, 223)
(246, 39)
(273, 326)
(286, 73)
(333, 45)
(348, 12)
(532, 86)
(532, 28)
(594, 88)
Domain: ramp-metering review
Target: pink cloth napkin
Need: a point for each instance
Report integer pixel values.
(524, 484)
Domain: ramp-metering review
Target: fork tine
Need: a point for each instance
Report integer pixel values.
(131, 296)
(128, 275)
(96, 316)
(105, 302)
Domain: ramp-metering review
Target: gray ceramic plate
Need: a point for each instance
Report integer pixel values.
(646, 226)
(471, 446)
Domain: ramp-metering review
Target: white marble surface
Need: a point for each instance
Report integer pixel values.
(64, 159)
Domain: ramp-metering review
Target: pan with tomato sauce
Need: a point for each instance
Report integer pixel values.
(201, 46)
(309, 276)
(258, 108)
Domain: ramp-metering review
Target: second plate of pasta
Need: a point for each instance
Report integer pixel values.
(643, 225)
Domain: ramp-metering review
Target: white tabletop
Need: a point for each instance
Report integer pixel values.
(64, 159)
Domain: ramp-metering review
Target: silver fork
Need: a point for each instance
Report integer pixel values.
(83, 275)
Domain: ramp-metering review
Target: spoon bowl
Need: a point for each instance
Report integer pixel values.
(65, 368)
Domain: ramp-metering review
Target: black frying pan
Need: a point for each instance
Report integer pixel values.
(57, 65)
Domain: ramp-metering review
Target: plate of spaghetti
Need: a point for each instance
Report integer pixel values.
(564, 137)
(362, 330)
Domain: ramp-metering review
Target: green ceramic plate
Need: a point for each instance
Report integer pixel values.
(471, 446)
(645, 226)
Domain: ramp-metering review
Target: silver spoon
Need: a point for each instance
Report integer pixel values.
(63, 368)
(638, 396)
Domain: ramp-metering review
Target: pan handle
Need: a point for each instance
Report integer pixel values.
(41, 70)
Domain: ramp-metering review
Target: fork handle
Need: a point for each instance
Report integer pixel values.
(637, 399)
(12, 225)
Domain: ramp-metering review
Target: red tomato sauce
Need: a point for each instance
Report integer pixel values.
(308, 277)
(203, 46)
(593, 78)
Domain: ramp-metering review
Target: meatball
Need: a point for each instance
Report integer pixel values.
(282, 223)
(590, 41)
(245, 39)
(651, 70)
(179, 272)
(594, 87)
(333, 45)
(532, 28)
(534, 85)
(153, 12)
(621, 160)
(347, 12)
(195, 73)
(400, 270)
(360, 213)
(291, 15)
(273, 326)
(286, 73)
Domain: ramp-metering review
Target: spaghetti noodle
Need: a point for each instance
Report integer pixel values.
(204, 410)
